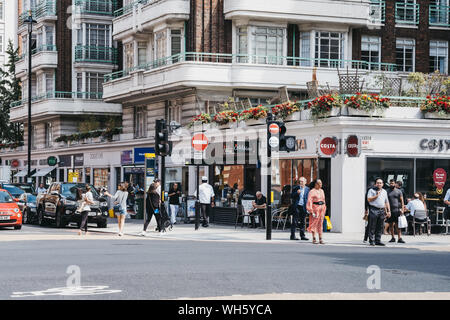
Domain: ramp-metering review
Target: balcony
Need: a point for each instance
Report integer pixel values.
(143, 15)
(229, 71)
(348, 12)
(63, 103)
(96, 7)
(91, 54)
(377, 11)
(44, 57)
(407, 13)
(45, 9)
(439, 16)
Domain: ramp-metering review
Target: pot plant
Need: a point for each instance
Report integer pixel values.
(254, 116)
(325, 106)
(226, 119)
(289, 111)
(202, 121)
(437, 107)
(366, 105)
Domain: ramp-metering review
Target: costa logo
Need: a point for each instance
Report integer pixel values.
(328, 146)
(15, 163)
(352, 146)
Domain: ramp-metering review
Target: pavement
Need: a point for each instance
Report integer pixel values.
(223, 233)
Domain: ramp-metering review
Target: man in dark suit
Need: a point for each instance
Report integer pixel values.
(299, 199)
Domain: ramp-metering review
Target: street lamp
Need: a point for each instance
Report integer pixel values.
(29, 21)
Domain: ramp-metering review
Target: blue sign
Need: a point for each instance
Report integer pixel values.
(139, 154)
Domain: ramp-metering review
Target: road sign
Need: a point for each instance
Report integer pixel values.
(274, 128)
(199, 142)
(274, 142)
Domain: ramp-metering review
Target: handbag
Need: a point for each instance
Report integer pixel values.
(402, 222)
(329, 225)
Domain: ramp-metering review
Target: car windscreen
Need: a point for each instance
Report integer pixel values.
(15, 191)
(70, 189)
(27, 189)
(31, 198)
(5, 197)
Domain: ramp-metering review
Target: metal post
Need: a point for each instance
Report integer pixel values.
(30, 43)
(269, 183)
(163, 178)
(197, 201)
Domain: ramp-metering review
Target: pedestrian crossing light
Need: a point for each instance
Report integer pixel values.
(163, 147)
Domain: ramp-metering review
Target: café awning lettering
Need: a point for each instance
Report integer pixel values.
(435, 144)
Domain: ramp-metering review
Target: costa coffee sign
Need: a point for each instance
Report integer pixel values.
(439, 178)
(328, 146)
(353, 146)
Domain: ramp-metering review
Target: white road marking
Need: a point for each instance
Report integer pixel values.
(67, 291)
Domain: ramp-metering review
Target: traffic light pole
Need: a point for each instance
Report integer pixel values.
(269, 183)
(197, 201)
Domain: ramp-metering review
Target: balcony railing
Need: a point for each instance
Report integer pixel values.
(43, 8)
(407, 13)
(129, 7)
(96, 54)
(96, 7)
(60, 95)
(253, 60)
(377, 11)
(439, 16)
(45, 47)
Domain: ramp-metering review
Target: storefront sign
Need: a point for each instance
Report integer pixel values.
(15, 163)
(126, 157)
(366, 143)
(52, 161)
(79, 159)
(139, 154)
(65, 161)
(352, 146)
(328, 146)
(301, 144)
(199, 142)
(439, 178)
(434, 145)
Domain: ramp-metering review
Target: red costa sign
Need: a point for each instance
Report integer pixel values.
(352, 146)
(15, 163)
(328, 146)
(439, 178)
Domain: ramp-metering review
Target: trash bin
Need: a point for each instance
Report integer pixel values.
(139, 208)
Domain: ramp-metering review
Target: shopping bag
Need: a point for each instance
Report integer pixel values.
(402, 223)
(329, 225)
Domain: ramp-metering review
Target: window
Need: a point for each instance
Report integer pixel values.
(49, 37)
(79, 84)
(97, 35)
(175, 113)
(129, 55)
(33, 137)
(49, 82)
(94, 84)
(370, 51)
(439, 56)
(405, 54)
(48, 134)
(268, 44)
(142, 53)
(140, 122)
(305, 49)
(440, 13)
(161, 47)
(407, 12)
(329, 47)
(1, 43)
(175, 44)
(1, 11)
(242, 42)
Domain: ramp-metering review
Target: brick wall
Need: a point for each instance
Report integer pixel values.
(64, 47)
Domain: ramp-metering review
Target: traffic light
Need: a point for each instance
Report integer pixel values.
(287, 143)
(163, 147)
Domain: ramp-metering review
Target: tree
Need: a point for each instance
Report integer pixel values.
(10, 91)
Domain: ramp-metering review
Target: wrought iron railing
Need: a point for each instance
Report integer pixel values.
(96, 54)
(407, 13)
(439, 16)
(60, 95)
(44, 47)
(377, 11)
(42, 9)
(96, 7)
(129, 7)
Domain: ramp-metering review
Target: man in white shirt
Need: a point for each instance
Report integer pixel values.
(206, 197)
(41, 189)
(447, 202)
(378, 204)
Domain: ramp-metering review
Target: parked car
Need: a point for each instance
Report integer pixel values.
(59, 205)
(10, 214)
(17, 189)
(27, 204)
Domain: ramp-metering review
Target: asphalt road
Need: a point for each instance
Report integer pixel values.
(137, 268)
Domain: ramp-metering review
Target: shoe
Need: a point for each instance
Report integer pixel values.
(143, 233)
(372, 244)
(380, 244)
(79, 232)
(364, 241)
(400, 240)
(321, 241)
(294, 238)
(120, 234)
(314, 241)
(392, 240)
(304, 238)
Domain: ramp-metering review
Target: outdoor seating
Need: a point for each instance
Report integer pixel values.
(421, 218)
(280, 215)
(242, 214)
(440, 212)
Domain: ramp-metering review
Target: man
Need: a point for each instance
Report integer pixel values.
(299, 199)
(206, 197)
(366, 213)
(174, 202)
(447, 202)
(396, 204)
(412, 206)
(378, 204)
(259, 208)
(41, 189)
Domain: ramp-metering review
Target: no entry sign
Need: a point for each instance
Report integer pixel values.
(274, 128)
(328, 146)
(199, 142)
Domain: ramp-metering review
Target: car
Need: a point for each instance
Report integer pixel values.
(59, 206)
(10, 214)
(17, 189)
(27, 204)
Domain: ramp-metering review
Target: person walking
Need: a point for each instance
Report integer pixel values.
(174, 202)
(206, 197)
(86, 200)
(300, 199)
(153, 209)
(317, 207)
(378, 210)
(41, 189)
(120, 205)
(366, 214)
(396, 203)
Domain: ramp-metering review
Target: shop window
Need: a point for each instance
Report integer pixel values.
(387, 169)
(101, 178)
(424, 176)
(88, 175)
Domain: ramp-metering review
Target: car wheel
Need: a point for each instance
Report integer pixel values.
(17, 227)
(41, 220)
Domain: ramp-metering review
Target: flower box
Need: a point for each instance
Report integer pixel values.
(61, 144)
(305, 114)
(296, 116)
(115, 137)
(229, 125)
(437, 115)
(364, 113)
(254, 122)
(97, 139)
(403, 113)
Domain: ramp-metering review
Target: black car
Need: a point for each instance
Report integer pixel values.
(27, 204)
(17, 189)
(59, 205)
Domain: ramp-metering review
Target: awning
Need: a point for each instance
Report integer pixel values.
(23, 173)
(43, 172)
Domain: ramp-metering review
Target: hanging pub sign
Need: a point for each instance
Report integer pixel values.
(353, 146)
(439, 179)
(328, 146)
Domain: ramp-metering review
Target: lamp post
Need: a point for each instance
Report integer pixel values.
(29, 22)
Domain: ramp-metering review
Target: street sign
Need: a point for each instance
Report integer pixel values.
(274, 142)
(274, 128)
(199, 142)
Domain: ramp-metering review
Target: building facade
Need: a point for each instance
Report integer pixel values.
(8, 28)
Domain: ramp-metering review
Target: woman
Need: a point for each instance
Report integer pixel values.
(120, 206)
(422, 198)
(317, 208)
(152, 206)
(86, 200)
(174, 202)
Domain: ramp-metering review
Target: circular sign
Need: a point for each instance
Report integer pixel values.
(274, 142)
(15, 163)
(52, 161)
(352, 146)
(274, 128)
(290, 143)
(199, 142)
(439, 178)
(328, 146)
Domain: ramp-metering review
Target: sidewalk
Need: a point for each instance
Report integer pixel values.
(182, 231)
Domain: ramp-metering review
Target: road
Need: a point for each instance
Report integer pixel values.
(149, 268)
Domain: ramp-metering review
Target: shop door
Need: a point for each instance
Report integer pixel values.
(252, 179)
(325, 176)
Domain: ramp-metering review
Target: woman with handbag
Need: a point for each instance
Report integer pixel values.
(152, 208)
(317, 208)
(120, 206)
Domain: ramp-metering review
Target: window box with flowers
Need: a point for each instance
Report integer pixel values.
(366, 105)
(226, 119)
(201, 122)
(323, 107)
(288, 111)
(437, 107)
(254, 116)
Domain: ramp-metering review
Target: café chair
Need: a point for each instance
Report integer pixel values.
(420, 217)
(280, 215)
(440, 211)
(242, 214)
